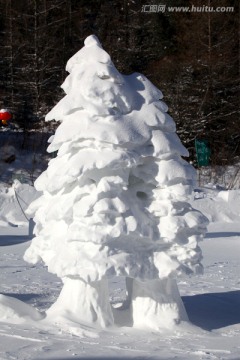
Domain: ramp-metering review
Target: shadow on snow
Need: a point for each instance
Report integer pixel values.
(214, 235)
(6, 240)
(23, 297)
(213, 310)
(208, 311)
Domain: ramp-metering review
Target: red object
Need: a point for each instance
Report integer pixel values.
(5, 115)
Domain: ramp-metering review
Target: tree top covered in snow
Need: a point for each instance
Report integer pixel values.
(114, 198)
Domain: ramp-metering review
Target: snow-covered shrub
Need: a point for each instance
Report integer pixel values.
(114, 200)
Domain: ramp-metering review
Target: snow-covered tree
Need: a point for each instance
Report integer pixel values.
(114, 200)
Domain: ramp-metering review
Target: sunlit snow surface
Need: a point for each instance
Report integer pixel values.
(212, 301)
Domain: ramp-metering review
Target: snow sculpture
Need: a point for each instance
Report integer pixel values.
(114, 199)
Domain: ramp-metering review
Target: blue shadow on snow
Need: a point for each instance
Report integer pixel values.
(214, 235)
(213, 310)
(6, 240)
(23, 297)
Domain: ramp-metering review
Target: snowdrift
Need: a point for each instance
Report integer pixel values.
(14, 201)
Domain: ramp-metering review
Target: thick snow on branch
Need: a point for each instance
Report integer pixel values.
(114, 199)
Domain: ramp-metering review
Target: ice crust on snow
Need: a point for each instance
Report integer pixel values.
(114, 200)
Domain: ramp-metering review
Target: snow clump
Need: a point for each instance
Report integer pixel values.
(115, 199)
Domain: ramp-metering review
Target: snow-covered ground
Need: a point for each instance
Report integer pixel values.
(114, 202)
(212, 300)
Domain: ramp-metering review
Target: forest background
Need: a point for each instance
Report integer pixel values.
(188, 49)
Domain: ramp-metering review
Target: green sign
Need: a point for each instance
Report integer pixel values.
(203, 152)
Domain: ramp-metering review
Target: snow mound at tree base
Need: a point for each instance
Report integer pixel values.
(153, 305)
(16, 312)
(84, 309)
(83, 303)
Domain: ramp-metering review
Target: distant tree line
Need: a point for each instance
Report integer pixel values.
(193, 57)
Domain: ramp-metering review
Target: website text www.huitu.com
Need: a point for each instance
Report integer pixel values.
(183, 9)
